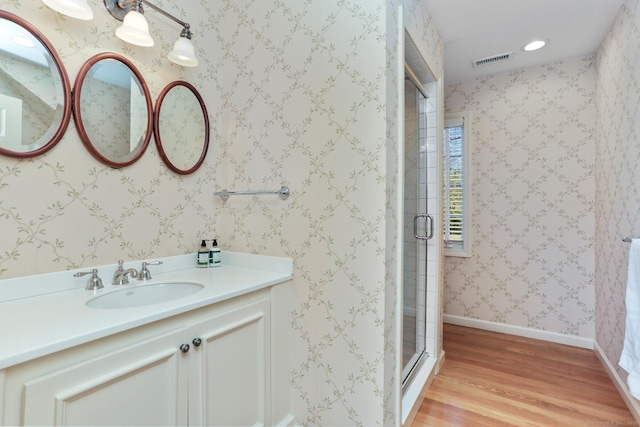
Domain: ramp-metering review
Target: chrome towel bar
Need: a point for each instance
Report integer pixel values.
(283, 192)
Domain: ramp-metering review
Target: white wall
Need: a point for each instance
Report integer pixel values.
(533, 190)
(617, 174)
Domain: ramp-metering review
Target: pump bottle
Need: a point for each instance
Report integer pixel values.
(203, 255)
(215, 254)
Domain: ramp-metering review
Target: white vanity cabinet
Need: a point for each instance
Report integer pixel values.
(209, 366)
(230, 377)
(140, 384)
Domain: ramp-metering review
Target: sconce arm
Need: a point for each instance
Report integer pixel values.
(119, 8)
(167, 14)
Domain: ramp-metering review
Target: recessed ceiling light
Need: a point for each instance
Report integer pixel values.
(534, 45)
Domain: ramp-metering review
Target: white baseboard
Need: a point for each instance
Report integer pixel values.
(441, 360)
(631, 402)
(520, 331)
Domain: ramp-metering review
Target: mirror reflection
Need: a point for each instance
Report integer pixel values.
(113, 113)
(182, 127)
(35, 93)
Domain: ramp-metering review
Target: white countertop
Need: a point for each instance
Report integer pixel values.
(47, 313)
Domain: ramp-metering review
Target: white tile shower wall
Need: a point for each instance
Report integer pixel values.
(533, 199)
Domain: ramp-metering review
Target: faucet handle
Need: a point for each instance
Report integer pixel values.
(121, 276)
(118, 271)
(94, 282)
(145, 274)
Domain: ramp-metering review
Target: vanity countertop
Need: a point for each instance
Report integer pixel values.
(47, 313)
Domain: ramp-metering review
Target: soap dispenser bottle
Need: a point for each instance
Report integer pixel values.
(203, 255)
(215, 254)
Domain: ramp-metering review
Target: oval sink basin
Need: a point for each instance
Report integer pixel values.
(136, 296)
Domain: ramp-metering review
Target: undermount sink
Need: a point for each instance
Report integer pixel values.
(139, 295)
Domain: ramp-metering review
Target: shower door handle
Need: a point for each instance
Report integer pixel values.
(427, 217)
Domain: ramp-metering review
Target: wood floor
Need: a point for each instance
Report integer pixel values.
(491, 379)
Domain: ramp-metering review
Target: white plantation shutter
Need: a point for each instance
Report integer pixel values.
(455, 184)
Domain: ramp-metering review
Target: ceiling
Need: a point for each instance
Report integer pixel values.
(476, 29)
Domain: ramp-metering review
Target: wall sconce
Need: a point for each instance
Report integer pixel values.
(134, 28)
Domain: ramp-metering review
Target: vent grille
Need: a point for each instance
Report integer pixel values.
(491, 59)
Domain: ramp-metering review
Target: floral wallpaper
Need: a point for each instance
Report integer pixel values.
(532, 199)
(617, 174)
(139, 212)
(299, 93)
(307, 110)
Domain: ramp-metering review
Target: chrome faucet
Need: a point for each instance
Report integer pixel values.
(145, 274)
(121, 276)
(94, 282)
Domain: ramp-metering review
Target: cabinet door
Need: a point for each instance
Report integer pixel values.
(229, 383)
(143, 384)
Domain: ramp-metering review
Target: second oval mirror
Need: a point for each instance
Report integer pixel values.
(181, 127)
(113, 110)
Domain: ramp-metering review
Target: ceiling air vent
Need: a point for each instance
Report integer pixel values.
(491, 59)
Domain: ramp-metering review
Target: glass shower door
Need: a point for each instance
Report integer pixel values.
(418, 225)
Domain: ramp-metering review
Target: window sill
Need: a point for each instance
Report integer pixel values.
(457, 252)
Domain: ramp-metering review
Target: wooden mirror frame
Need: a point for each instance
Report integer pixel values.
(77, 114)
(156, 127)
(66, 90)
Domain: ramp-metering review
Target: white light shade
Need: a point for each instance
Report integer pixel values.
(78, 9)
(135, 30)
(183, 53)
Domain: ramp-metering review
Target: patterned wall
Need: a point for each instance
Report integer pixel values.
(296, 117)
(303, 108)
(300, 93)
(617, 173)
(139, 212)
(532, 199)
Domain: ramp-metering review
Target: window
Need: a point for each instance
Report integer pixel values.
(457, 161)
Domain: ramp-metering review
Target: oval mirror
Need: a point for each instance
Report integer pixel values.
(35, 94)
(112, 109)
(181, 127)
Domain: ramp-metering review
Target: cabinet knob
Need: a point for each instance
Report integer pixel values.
(184, 348)
(197, 342)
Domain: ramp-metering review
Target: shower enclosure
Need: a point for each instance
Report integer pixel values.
(420, 165)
